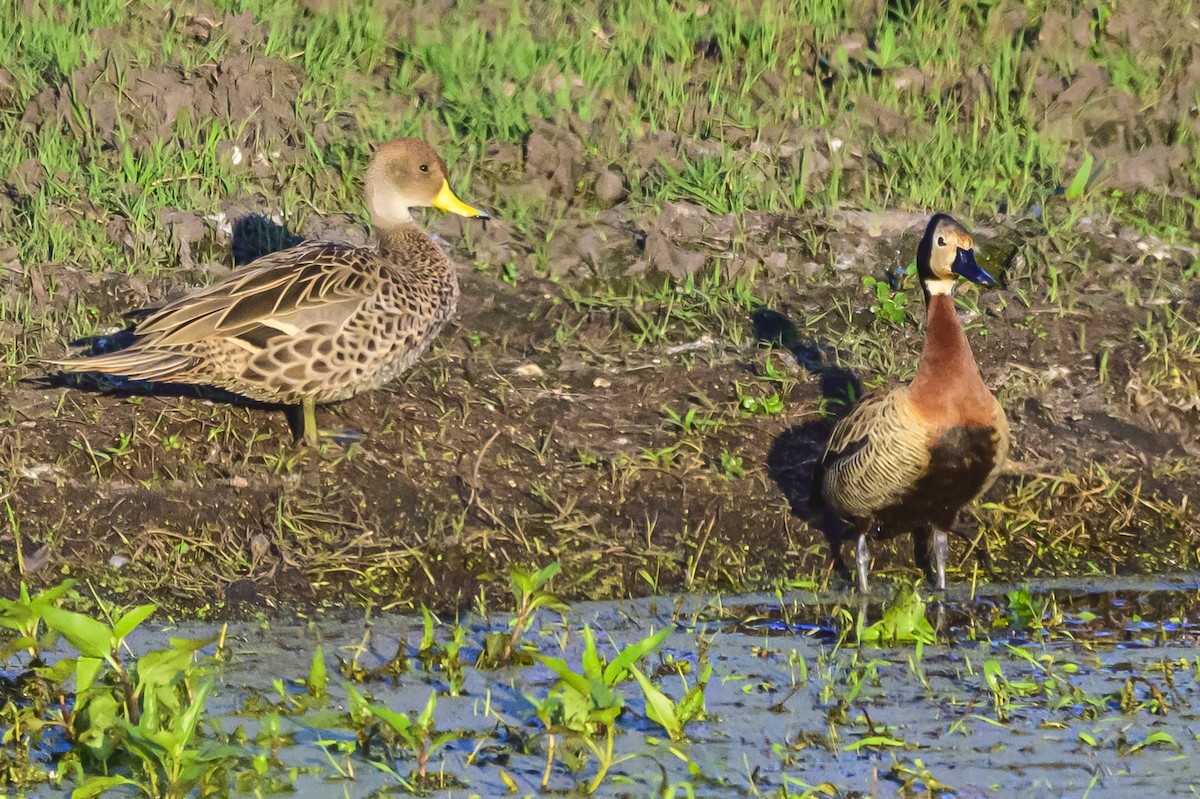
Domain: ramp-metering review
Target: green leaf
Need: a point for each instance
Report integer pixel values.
(993, 675)
(622, 663)
(15, 615)
(426, 647)
(876, 742)
(1080, 181)
(45, 599)
(86, 669)
(96, 724)
(129, 622)
(161, 667)
(318, 677)
(578, 682)
(426, 718)
(692, 705)
(58, 672)
(98, 785)
(186, 724)
(357, 702)
(903, 622)
(602, 695)
(11, 647)
(546, 574)
(386, 769)
(442, 739)
(87, 635)
(1156, 738)
(591, 659)
(400, 723)
(659, 708)
(548, 601)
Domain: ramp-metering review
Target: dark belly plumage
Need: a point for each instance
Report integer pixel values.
(959, 466)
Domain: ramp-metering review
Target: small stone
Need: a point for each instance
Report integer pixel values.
(8, 89)
(260, 545)
(528, 370)
(37, 471)
(200, 28)
(702, 343)
(601, 382)
(242, 592)
(776, 263)
(37, 560)
(28, 177)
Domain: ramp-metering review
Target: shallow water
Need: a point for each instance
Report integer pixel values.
(788, 706)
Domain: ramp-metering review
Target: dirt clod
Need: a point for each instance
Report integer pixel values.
(610, 188)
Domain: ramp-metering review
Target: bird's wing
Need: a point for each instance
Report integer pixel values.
(314, 283)
(875, 454)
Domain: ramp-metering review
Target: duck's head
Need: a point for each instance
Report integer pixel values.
(947, 252)
(406, 174)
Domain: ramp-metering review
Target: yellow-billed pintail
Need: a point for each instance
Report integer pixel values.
(319, 322)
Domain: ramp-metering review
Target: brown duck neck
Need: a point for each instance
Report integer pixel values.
(408, 246)
(948, 388)
(399, 237)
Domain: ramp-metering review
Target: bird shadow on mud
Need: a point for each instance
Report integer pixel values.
(252, 237)
(255, 235)
(796, 452)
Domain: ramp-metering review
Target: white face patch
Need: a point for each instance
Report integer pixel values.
(940, 286)
(388, 207)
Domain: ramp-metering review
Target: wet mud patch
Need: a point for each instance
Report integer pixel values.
(607, 398)
(646, 440)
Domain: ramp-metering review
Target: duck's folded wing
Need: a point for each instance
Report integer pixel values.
(314, 283)
(875, 455)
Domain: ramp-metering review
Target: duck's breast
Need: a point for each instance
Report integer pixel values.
(964, 460)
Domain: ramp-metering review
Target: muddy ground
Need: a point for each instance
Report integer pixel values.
(535, 430)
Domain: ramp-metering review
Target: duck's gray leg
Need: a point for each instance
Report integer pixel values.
(941, 550)
(862, 561)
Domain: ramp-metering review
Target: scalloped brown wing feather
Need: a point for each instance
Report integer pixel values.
(318, 283)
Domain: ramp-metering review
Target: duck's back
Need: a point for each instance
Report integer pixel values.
(409, 292)
(417, 295)
(323, 319)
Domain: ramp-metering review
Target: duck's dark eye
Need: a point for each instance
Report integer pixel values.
(941, 240)
(424, 167)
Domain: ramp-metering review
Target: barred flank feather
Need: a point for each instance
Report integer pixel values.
(875, 454)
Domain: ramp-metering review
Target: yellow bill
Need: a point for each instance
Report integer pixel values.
(447, 200)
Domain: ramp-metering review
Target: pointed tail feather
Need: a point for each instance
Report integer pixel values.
(137, 364)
